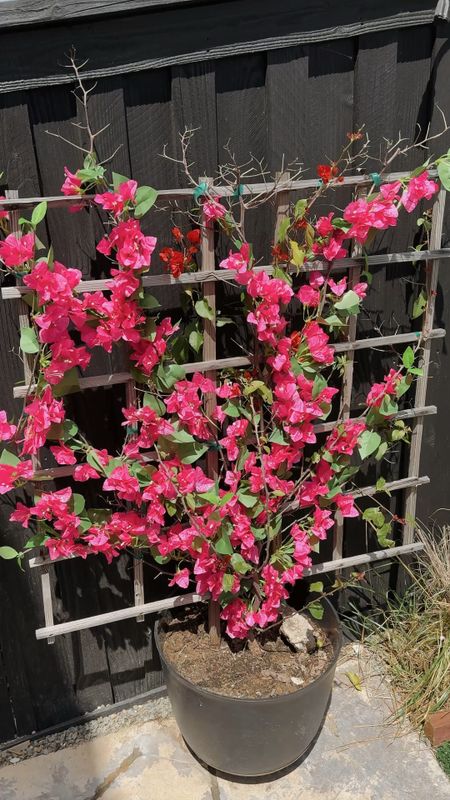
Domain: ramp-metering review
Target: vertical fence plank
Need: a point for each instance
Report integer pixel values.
(432, 273)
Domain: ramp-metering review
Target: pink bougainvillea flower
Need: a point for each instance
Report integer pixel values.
(308, 296)
(7, 430)
(72, 184)
(418, 188)
(339, 288)
(213, 210)
(133, 249)
(84, 472)
(12, 473)
(41, 413)
(123, 483)
(116, 201)
(3, 214)
(360, 289)
(16, 250)
(181, 578)
(63, 454)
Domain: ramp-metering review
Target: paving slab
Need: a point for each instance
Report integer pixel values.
(356, 757)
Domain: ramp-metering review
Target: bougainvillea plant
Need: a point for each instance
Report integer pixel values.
(242, 536)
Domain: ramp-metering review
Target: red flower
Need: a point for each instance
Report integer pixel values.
(177, 235)
(194, 236)
(326, 172)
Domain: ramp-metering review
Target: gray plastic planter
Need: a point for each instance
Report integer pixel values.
(251, 737)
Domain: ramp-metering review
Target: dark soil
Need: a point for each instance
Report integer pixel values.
(264, 667)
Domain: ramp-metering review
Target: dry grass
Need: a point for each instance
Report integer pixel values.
(413, 636)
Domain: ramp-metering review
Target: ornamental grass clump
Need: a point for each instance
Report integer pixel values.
(412, 634)
(242, 535)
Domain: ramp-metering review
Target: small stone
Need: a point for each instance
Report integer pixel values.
(14, 760)
(299, 632)
(297, 681)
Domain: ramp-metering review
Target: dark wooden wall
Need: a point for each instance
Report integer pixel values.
(299, 101)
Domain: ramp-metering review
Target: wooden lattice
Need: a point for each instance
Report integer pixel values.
(207, 277)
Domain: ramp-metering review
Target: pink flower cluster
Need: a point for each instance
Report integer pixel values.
(219, 532)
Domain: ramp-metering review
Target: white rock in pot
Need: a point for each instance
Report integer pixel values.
(299, 632)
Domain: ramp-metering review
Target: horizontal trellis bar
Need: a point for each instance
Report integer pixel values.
(319, 427)
(406, 413)
(225, 275)
(112, 379)
(367, 491)
(182, 600)
(269, 187)
(364, 558)
(104, 381)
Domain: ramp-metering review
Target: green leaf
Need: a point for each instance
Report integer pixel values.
(189, 454)
(316, 609)
(231, 409)
(381, 451)
(247, 500)
(348, 302)
(277, 437)
(148, 301)
(196, 340)
(369, 441)
(39, 213)
(29, 341)
(8, 553)
(145, 199)
(374, 515)
(420, 305)
(9, 458)
(443, 169)
(342, 224)
(78, 503)
(227, 582)
(283, 229)
(316, 587)
(155, 403)
(408, 358)
(69, 384)
(298, 255)
(117, 179)
(300, 208)
(180, 436)
(223, 545)
(69, 430)
(170, 374)
(204, 310)
(222, 321)
(355, 680)
(388, 406)
(239, 564)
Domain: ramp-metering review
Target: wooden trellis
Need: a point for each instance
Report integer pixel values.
(207, 277)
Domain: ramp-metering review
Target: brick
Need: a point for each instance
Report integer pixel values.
(437, 727)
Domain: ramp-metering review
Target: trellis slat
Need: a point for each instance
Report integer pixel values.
(432, 273)
(183, 600)
(227, 276)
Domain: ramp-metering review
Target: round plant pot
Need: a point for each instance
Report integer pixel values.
(251, 737)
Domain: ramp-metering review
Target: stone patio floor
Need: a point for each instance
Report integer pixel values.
(356, 757)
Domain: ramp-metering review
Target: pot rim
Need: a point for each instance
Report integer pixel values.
(279, 698)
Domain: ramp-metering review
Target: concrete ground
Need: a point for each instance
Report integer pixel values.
(356, 757)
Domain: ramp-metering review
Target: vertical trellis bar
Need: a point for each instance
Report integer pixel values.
(28, 371)
(210, 352)
(138, 564)
(282, 201)
(347, 389)
(432, 273)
